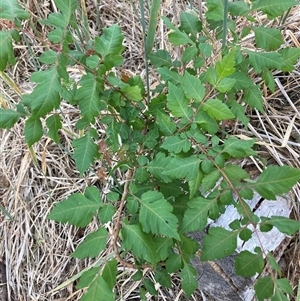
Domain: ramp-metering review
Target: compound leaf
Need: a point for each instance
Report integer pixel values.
(290, 58)
(284, 224)
(106, 213)
(268, 38)
(176, 144)
(157, 167)
(8, 118)
(160, 58)
(248, 264)
(190, 23)
(85, 151)
(53, 123)
(33, 131)
(110, 273)
(215, 108)
(238, 148)
(110, 42)
(177, 103)
(276, 180)
(67, 7)
(92, 245)
(218, 243)
(188, 279)
(253, 97)
(155, 215)
(75, 210)
(225, 67)
(264, 288)
(141, 243)
(192, 87)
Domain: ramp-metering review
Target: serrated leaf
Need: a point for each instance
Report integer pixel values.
(284, 224)
(238, 148)
(209, 181)
(88, 97)
(109, 273)
(253, 97)
(279, 295)
(218, 243)
(190, 23)
(239, 111)
(11, 10)
(273, 8)
(160, 58)
(132, 92)
(235, 173)
(141, 243)
(245, 234)
(276, 180)
(149, 285)
(176, 144)
(157, 167)
(206, 122)
(238, 8)
(45, 96)
(268, 78)
(188, 279)
(285, 285)
(177, 103)
(215, 10)
(268, 38)
(205, 49)
(163, 278)
(166, 125)
(8, 118)
(92, 245)
(225, 85)
(98, 290)
(269, 60)
(33, 131)
(264, 288)
(48, 57)
(195, 218)
(54, 124)
(85, 151)
(67, 7)
(155, 215)
(192, 87)
(7, 53)
(180, 168)
(290, 58)
(173, 263)
(194, 184)
(163, 247)
(106, 213)
(215, 108)
(242, 80)
(225, 67)
(110, 42)
(75, 210)
(87, 278)
(169, 75)
(189, 54)
(248, 264)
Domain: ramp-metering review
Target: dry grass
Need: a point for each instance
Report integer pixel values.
(37, 251)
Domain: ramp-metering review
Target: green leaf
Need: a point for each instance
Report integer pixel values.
(268, 38)
(54, 124)
(110, 42)
(92, 245)
(188, 279)
(238, 148)
(205, 49)
(8, 118)
(189, 54)
(264, 288)
(276, 180)
(225, 85)
(154, 10)
(225, 67)
(180, 168)
(163, 278)
(239, 111)
(33, 131)
(253, 97)
(269, 60)
(215, 10)
(209, 181)
(242, 80)
(149, 285)
(157, 167)
(165, 124)
(195, 218)
(48, 57)
(215, 108)
(141, 243)
(163, 247)
(206, 122)
(285, 285)
(268, 78)
(169, 75)
(87, 278)
(109, 273)
(290, 58)
(248, 264)
(98, 290)
(238, 8)
(45, 96)
(88, 97)
(245, 234)
(132, 92)
(279, 295)
(190, 23)
(7, 53)
(194, 184)
(67, 7)
(284, 224)
(176, 144)
(160, 58)
(273, 8)
(218, 243)
(11, 10)
(106, 213)
(192, 87)
(75, 210)
(85, 151)
(173, 263)
(155, 215)
(235, 173)
(177, 103)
